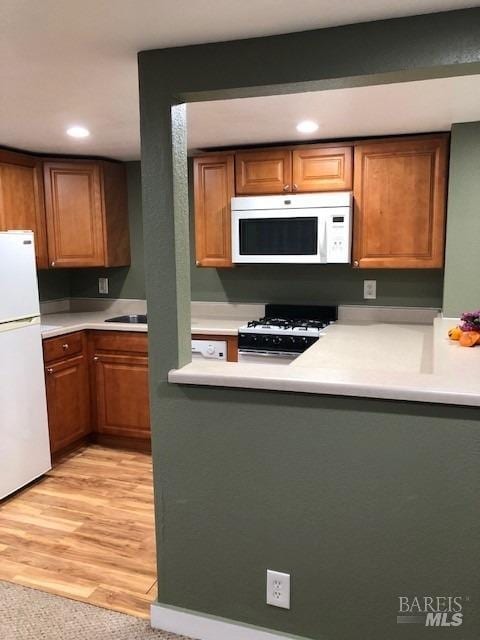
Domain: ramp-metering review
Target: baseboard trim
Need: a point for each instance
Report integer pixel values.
(205, 627)
(144, 445)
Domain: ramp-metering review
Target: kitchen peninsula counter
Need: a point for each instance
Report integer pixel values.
(413, 362)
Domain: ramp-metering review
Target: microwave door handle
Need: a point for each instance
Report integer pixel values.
(322, 239)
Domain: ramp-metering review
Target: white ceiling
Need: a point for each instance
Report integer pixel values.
(65, 62)
(409, 107)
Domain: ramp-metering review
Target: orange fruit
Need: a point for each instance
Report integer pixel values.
(455, 333)
(469, 338)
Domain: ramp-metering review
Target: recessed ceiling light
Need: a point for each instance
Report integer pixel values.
(307, 126)
(78, 132)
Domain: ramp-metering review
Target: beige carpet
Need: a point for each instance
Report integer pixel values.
(28, 614)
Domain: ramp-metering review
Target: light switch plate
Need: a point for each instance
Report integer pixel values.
(103, 285)
(369, 289)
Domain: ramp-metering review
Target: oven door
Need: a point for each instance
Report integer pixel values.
(277, 236)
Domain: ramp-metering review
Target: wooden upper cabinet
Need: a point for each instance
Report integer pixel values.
(214, 188)
(305, 169)
(322, 169)
(21, 199)
(87, 215)
(263, 172)
(400, 197)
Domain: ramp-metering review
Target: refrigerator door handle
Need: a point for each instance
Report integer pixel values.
(18, 324)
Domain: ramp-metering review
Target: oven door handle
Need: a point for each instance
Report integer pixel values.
(268, 354)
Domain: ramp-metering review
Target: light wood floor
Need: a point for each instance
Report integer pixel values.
(85, 531)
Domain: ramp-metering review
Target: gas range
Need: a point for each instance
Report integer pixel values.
(285, 332)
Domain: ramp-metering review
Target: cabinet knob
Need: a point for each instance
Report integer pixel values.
(197, 263)
(50, 371)
(294, 187)
(95, 358)
(286, 187)
(52, 263)
(356, 263)
(65, 346)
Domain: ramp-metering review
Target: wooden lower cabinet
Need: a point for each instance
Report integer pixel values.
(119, 384)
(68, 396)
(97, 387)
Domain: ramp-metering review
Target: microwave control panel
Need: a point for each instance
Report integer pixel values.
(339, 236)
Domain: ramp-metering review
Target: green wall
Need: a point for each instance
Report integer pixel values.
(332, 284)
(462, 281)
(361, 500)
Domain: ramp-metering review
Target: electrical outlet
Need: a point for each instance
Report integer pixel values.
(369, 289)
(278, 589)
(103, 285)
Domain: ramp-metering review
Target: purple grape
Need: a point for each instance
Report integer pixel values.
(470, 321)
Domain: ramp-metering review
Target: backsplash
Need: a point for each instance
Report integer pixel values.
(54, 284)
(328, 284)
(317, 284)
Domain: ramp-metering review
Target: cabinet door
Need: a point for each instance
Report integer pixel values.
(21, 199)
(73, 199)
(263, 172)
(214, 188)
(322, 169)
(122, 398)
(400, 193)
(68, 400)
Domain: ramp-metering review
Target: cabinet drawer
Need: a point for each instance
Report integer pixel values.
(70, 344)
(120, 341)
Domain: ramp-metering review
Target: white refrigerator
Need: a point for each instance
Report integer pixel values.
(24, 441)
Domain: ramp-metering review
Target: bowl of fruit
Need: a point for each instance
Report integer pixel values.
(468, 332)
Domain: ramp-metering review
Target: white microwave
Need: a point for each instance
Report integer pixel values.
(304, 229)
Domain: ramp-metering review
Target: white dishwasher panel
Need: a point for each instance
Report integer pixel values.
(209, 349)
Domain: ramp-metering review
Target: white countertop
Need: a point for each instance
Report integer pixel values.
(371, 347)
(376, 360)
(57, 324)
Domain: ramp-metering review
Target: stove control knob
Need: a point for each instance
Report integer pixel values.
(277, 340)
(210, 349)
